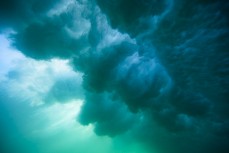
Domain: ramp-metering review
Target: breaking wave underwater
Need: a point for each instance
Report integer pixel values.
(155, 71)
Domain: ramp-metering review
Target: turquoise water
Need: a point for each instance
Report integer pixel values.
(117, 76)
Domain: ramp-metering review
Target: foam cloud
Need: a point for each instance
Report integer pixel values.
(133, 16)
(39, 82)
(110, 115)
(19, 13)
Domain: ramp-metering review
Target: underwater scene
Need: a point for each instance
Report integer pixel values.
(114, 76)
